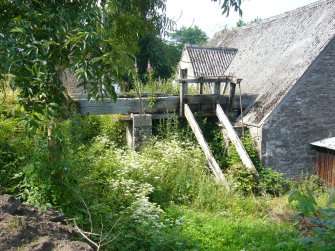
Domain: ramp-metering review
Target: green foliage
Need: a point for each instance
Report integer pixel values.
(242, 179)
(163, 55)
(160, 86)
(142, 196)
(94, 39)
(239, 177)
(228, 4)
(305, 201)
(14, 151)
(273, 182)
(190, 35)
(128, 185)
(242, 23)
(213, 231)
(270, 181)
(173, 128)
(322, 220)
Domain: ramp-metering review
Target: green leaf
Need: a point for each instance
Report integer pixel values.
(17, 30)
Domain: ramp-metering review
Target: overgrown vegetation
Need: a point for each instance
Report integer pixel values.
(163, 197)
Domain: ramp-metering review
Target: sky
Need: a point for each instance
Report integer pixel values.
(207, 14)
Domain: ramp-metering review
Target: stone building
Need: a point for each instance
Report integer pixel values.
(287, 63)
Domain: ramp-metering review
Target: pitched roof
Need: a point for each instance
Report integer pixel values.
(274, 53)
(209, 61)
(325, 143)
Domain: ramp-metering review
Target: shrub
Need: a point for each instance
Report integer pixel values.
(14, 152)
(322, 220)
(242, 179)
(269, 181)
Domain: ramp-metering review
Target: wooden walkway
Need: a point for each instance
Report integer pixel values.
(160, 107)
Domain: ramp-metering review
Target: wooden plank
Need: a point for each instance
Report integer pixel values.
(169, 104)
(126, 118)
(235, 139)
(130, 105)
(205, 80)
(210, 158)
(210, 99)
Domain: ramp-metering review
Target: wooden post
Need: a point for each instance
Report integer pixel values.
(201, 88)
(213, 165)
(241, 106)
(217, 88)
(235, 139)
(183, 92)
(225, 84)
(232, 88)
(224, 88)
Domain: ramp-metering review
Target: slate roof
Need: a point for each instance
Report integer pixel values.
(209, 61)
(274, 53)
(325, 143)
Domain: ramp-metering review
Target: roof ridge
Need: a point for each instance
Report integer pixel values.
(284, 14)
(210, 47)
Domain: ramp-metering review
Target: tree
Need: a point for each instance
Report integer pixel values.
(162, 55)
(191, 35)
(95, 39)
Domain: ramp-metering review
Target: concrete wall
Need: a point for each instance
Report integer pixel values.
(256, 135)
(139, 129)
(305, 115)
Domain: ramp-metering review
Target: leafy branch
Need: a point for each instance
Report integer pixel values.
(230, 4)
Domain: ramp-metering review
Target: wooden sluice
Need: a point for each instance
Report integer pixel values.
(140, 111)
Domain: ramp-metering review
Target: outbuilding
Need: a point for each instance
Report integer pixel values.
(325, 160)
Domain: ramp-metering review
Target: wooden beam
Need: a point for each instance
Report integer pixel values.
(129, 105)
(217, 87)
(213, 165)
(201, 88)
(235, 139)
(183, 92)
(162, 105)
(225, 84)
(231, 96)
(203, 80)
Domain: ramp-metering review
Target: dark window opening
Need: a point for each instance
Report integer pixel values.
(183, 73)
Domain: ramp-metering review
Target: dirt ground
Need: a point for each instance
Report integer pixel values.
(23, 227)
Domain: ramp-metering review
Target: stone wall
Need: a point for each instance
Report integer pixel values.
(305, 115)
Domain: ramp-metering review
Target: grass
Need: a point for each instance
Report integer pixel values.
(215, 231)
